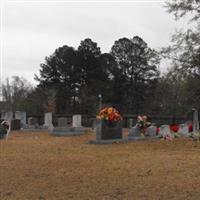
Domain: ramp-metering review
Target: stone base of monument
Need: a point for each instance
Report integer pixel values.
(66, 131)
(140, 138)
(34, 128)
(114, 141)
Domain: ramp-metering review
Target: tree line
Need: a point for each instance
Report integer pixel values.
(128, 77)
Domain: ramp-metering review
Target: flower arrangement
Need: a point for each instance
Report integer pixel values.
(142, 122)
(110, 114)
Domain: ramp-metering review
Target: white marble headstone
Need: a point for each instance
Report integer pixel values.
(183, 130)
(8, 116)
(21, 116)
(48, 119)
(151, 131)
(3, 114)
(165, 131)
(76, 121)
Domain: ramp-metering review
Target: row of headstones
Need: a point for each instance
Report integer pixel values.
(19, 115)
(62, 121)
(164, 130)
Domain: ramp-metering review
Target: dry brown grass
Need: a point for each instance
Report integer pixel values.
(38, 166)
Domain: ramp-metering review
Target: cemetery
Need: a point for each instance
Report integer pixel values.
(107, 162)
(100, 100)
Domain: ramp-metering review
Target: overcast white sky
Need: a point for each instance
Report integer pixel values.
(31, 31)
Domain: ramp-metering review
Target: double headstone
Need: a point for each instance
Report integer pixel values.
(64, 130)
(106, 130)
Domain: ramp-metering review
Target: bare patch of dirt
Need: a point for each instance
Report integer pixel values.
(37, 166)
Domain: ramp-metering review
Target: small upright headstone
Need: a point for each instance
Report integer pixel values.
(134, 132)
(94, 124)
(15, 124)
(21, 116)
(62, 122)
(130, 123)
(165, 131)
(48, 119)
(3, 114)
(183, 130)
(151, 131)
(32, 121)
(76, 121)
(8, 116)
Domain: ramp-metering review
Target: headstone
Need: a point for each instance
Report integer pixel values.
(94, 124)
(3, 114)
(15, 124)
(62, 122)
(134, 132)
(48, 119)
(33, 125)
(151, 131)
(108, 130)
(21, 116)
(195, 121)
(8, 116)
(32, 121)
(130, 123)
(65, 129)
(76, 121)
(183, 130)
(165, 131)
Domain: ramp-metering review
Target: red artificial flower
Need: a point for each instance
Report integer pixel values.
(174, 128)
(190, 127)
